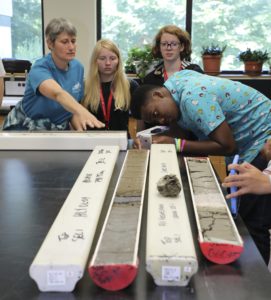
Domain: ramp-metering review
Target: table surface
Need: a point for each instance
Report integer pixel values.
(33, 187)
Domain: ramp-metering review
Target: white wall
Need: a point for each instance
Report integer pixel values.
(5, 31)
(82, 13)
(6, 8)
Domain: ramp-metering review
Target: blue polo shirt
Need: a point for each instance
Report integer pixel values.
(35, 105)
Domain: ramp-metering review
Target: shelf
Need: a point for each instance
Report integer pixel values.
(245, 77)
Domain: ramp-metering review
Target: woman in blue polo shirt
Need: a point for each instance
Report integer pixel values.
(54, 87)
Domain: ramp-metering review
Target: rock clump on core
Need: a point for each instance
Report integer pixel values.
(169, 186)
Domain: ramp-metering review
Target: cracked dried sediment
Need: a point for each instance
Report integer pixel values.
(216, 225)
(215, 222)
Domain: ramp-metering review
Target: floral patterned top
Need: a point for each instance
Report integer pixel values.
(206, 101)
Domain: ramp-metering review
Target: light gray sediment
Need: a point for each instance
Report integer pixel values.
(119, 237)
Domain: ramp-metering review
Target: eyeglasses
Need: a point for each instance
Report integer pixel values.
(172, 45)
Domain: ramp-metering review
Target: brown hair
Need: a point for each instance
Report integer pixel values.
(183, 37)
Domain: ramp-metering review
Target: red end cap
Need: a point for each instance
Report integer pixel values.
(221, 253)
(113, 277)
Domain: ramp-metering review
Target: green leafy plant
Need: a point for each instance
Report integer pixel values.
(213, 50)
(139, 60)
(255, 55)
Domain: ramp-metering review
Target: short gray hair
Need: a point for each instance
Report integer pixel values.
(57, 26)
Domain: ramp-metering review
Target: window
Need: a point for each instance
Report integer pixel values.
(237, 24)
(21, 29)
(132, 23)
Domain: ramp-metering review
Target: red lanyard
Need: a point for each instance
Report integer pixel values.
(107, 112)
(165, 73)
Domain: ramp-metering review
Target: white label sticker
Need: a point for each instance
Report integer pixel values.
(171, 273)
(187, 269)
(56, 277)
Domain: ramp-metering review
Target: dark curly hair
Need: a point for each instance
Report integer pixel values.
(140, 98)
(183, 37)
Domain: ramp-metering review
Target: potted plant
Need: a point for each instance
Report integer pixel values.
(139, 61)
(253, 61)
(211, 58)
